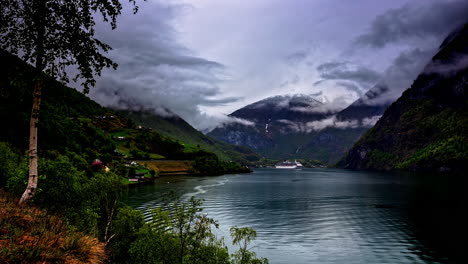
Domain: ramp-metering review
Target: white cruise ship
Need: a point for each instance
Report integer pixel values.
(289, 165)
(286, 165)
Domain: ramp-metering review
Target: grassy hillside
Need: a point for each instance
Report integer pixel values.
(177, 128)
(30, 235)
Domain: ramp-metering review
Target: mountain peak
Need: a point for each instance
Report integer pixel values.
(286, 101)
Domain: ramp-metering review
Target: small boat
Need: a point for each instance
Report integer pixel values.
(286, 165)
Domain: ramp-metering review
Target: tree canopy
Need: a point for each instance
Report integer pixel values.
(55, 35)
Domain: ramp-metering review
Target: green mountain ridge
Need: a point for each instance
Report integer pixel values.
(72, 124)
(177, 128)
(426, 128)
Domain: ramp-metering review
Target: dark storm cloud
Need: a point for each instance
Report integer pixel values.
(415, 21)
(354, 78)
(347, 71)
(155, 71)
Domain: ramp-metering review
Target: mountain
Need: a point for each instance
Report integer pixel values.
(298, 126)
(426, 128)
(268, 124)
(173, 126)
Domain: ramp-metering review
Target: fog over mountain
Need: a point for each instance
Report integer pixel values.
(204, 59)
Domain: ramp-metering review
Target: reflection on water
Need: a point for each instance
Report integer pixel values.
(330, 215)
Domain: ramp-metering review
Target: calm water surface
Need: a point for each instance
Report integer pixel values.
(331, 215)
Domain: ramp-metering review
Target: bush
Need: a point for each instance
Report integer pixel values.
(125, 228)
(13, 169)
(182, 234)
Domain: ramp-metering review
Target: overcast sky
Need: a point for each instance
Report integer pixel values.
(203, 59)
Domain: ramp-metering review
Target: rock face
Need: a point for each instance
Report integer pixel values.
(298, 126)
(427, 127)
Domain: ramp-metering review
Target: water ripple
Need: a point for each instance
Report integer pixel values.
(311, 216)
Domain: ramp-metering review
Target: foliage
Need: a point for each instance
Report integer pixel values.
(56, 34)
(381, 159)
(179, 235)
(125, 228)
(12, 168)
(182, 234)
(86, 203)
(211, 165)
(242, 236)
(106, 191)
(60, 129)
(442, 153)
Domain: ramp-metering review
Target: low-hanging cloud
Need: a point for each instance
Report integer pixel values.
(210, 122)
(460, 62)
(155, 71)
(329, 122)
(398, 77)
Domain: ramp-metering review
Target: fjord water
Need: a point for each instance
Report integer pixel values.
(331, 215)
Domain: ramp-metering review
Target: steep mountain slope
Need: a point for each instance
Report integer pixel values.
(177, 128)
(70, 122)
(426, 128)
(60, 107)
(298, 126)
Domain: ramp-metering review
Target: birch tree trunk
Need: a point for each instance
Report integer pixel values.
(33, 164)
